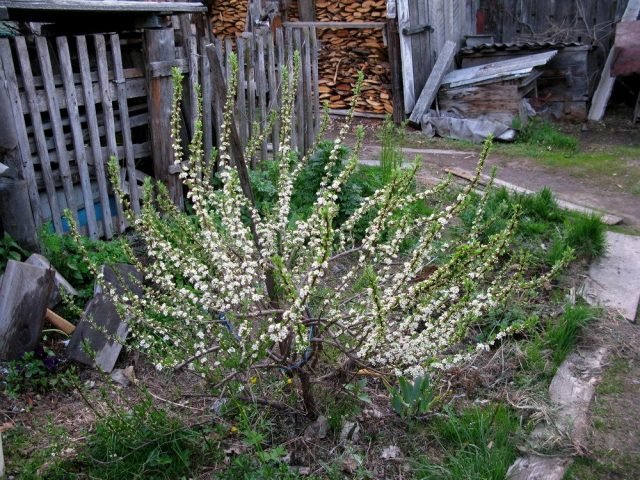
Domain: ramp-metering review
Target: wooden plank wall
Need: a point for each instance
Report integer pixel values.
(77, 102)
(586, 21)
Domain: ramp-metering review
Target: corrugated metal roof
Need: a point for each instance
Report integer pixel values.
(513, 68)
(517, 46)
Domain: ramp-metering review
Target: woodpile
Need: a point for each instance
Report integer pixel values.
(228, 18)
(343, 52)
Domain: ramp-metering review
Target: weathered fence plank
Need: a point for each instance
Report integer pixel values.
(125, 125)
(159, 46)
(207, 89)
(78, 138)
(108, 114)
(94, 134)
(243, 126)
(9, 79)
(261, 82)
(307, 90)
(41, 142)
(273, 94)
(56, 123)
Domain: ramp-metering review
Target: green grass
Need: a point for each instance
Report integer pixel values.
(142, 442)
(479, 444)
(611, 383)
(562, 336)
(612, 465)
(586, 235)
(545, 135)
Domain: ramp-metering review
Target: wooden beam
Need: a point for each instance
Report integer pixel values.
(160, 47)
(430, 90)
(20, 204)
(355, 25)
(307, 10)
(127, 6)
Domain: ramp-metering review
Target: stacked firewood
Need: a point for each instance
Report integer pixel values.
(228, 17)
(343, 52)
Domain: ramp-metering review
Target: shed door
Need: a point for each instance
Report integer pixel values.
(419, 46)
(415, 47)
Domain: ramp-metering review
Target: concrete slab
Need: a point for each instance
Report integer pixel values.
(572, 390)
(533, 467)
(614, 279)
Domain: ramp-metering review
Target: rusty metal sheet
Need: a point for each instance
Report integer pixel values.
(627, 56)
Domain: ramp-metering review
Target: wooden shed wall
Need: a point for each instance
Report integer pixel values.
(586, 21)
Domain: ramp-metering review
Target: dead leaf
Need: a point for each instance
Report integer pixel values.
(6, 426)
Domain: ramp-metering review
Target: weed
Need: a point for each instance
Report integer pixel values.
(261, 458)
(65, 255)
(479, 443)
(143, 442)
(391, 138)
(413, 398)
(10, 250)
(562, 336)
(611, 382)
(38, 371)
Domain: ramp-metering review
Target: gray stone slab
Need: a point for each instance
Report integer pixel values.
(60, 283)
(24, 295)
(614, 279)
(533, 467)
(572, 390)
(102, 326)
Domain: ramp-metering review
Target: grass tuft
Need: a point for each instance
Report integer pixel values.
(586, 235)
(562, 336)
(479, 444)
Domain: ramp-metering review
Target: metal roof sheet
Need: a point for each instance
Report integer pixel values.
(518, 67)
(518, 46)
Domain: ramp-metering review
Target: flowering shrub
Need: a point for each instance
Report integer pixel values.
(230, 289)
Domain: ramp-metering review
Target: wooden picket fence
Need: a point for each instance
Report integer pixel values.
(78, 100)
(263, 56)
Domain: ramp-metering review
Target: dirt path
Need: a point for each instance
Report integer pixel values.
(531, 175)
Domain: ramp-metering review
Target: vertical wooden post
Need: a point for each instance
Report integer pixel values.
(16, 213)
(159, 47)
(395, 62)
(307, 10)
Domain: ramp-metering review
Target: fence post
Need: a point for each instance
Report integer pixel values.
(397, 95)
(159, 47)
(16, 214)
